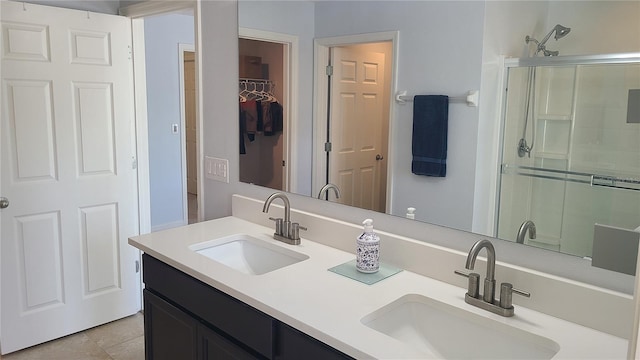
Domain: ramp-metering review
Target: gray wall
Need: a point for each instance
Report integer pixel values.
(219, 26)
(162, 36)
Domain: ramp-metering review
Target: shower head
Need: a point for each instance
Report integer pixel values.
(560, 32)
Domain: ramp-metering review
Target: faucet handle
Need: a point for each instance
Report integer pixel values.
(473, 287)
(295, 230)
(506, 294)
(278, 225)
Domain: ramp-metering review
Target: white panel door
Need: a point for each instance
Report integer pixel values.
(66, 155)
(355, 125)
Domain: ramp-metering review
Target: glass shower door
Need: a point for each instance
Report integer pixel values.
(584, 165)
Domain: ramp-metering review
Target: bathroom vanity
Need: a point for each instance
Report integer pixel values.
(198, 306)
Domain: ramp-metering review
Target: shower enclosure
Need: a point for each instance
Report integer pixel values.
(582, 119)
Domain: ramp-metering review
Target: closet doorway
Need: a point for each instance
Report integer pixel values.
(265, 94)
(188, 122)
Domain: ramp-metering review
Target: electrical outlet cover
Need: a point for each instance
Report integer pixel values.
(216, 169)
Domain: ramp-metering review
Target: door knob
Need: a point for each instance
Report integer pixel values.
(379, 157)
(4, 202)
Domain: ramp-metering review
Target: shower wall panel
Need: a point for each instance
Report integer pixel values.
(553, 119)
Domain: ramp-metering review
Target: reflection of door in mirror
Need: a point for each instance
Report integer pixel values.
(358, 123)
(262, 156)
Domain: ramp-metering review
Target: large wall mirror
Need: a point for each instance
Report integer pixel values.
(581, 117)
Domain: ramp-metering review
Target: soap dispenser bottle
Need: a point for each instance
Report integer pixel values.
(368, 249)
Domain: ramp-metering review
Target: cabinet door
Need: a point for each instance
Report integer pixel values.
(214, 346)
(218, 310)
(293, 344)
(169, 333)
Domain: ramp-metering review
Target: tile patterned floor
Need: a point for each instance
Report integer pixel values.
(119, 340)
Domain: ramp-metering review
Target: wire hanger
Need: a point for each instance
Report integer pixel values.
(256, 89)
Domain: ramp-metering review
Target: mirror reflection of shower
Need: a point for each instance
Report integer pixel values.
(560, 32)
(529, 106)
(583, 133)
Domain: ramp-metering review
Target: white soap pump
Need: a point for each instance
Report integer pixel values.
(368, 249)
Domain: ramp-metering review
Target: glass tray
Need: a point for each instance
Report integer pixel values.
(349, 270)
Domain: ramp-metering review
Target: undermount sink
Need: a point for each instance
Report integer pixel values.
(445, 331)
(248, 254)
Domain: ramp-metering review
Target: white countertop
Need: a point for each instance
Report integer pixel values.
(329, 306)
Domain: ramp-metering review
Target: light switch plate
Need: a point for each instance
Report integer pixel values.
(216, 169)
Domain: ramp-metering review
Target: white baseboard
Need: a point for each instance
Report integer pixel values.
(166, 226)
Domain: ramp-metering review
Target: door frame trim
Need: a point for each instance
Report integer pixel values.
(290, 73)
(182, 48)
(321, 61)
(141, 126)
(150, 8)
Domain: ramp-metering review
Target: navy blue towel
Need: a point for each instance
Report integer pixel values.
(429, 140)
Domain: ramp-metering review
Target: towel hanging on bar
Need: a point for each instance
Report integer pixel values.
(429, 137)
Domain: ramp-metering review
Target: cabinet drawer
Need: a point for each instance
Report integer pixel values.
(231, 316)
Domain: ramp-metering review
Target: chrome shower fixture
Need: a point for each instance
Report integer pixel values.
(523, 148)
(560, 32)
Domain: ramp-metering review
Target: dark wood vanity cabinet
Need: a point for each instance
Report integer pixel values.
(171, 333)
(188, 319)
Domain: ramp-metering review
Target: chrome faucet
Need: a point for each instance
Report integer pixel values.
(323, 192)
(489, 280)
(286, 231)
(503, 306)
(526, 225)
